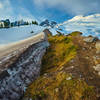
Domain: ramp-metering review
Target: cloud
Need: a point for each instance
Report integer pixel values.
(5, 9)
(8, 11)
(25, 15)
(1, 6)
(74, 7)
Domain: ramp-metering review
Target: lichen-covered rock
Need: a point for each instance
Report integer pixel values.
(25, 69)
(97, 68)
(90, 39)
(98, 46)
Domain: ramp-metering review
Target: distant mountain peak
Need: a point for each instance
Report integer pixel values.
(47, 23)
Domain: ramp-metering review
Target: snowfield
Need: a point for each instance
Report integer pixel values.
(6, 51)
(88, 25)
(15, 34)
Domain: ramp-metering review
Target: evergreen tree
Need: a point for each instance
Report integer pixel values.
(27, 23)
(35, 22)
(7, 23)
(11, 24)
(1, 26)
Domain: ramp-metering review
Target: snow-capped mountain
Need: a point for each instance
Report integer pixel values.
(48, 23)
(88, 25)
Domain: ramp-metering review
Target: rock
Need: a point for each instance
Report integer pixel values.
(97, 45)
(57, 89)
(59, 33)
(87, 57)
(47, 32)
(24, 70)
(45, 23)
(97, 68)
(90, 39)
(96, 59)
(99, 73)
(68, 78)
(32, 31)
(48, 23)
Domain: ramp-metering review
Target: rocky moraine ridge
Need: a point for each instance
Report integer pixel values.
(18, 71)
(68, 66)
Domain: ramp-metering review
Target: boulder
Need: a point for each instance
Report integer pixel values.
(97, 45)
(47, 32)
(97, 68)
(90, 39)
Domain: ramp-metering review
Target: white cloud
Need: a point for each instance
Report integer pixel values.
(74, 7)
(7, 11)
(25, 15)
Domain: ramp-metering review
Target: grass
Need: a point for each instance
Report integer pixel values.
(57, 87)
(54, 83)
(60, 52)
(76, 33)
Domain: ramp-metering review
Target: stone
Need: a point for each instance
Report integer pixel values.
(68, 78)
(97, 68)
(97, 45)
(99, 73)
(57, 89)
(90, 39)
(18, 75)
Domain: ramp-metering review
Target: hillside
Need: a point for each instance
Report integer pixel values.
(69, 71)
(20, 66)
(16, 34)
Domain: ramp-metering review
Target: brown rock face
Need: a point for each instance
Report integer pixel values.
(47, 32)
(19, 74)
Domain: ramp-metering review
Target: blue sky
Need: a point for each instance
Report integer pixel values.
(58, 10)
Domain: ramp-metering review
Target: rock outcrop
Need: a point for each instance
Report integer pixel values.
(90, 39)
(19, 74)
(98, 46)
(48, 23)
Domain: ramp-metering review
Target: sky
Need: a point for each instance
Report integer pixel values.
(57, 10)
